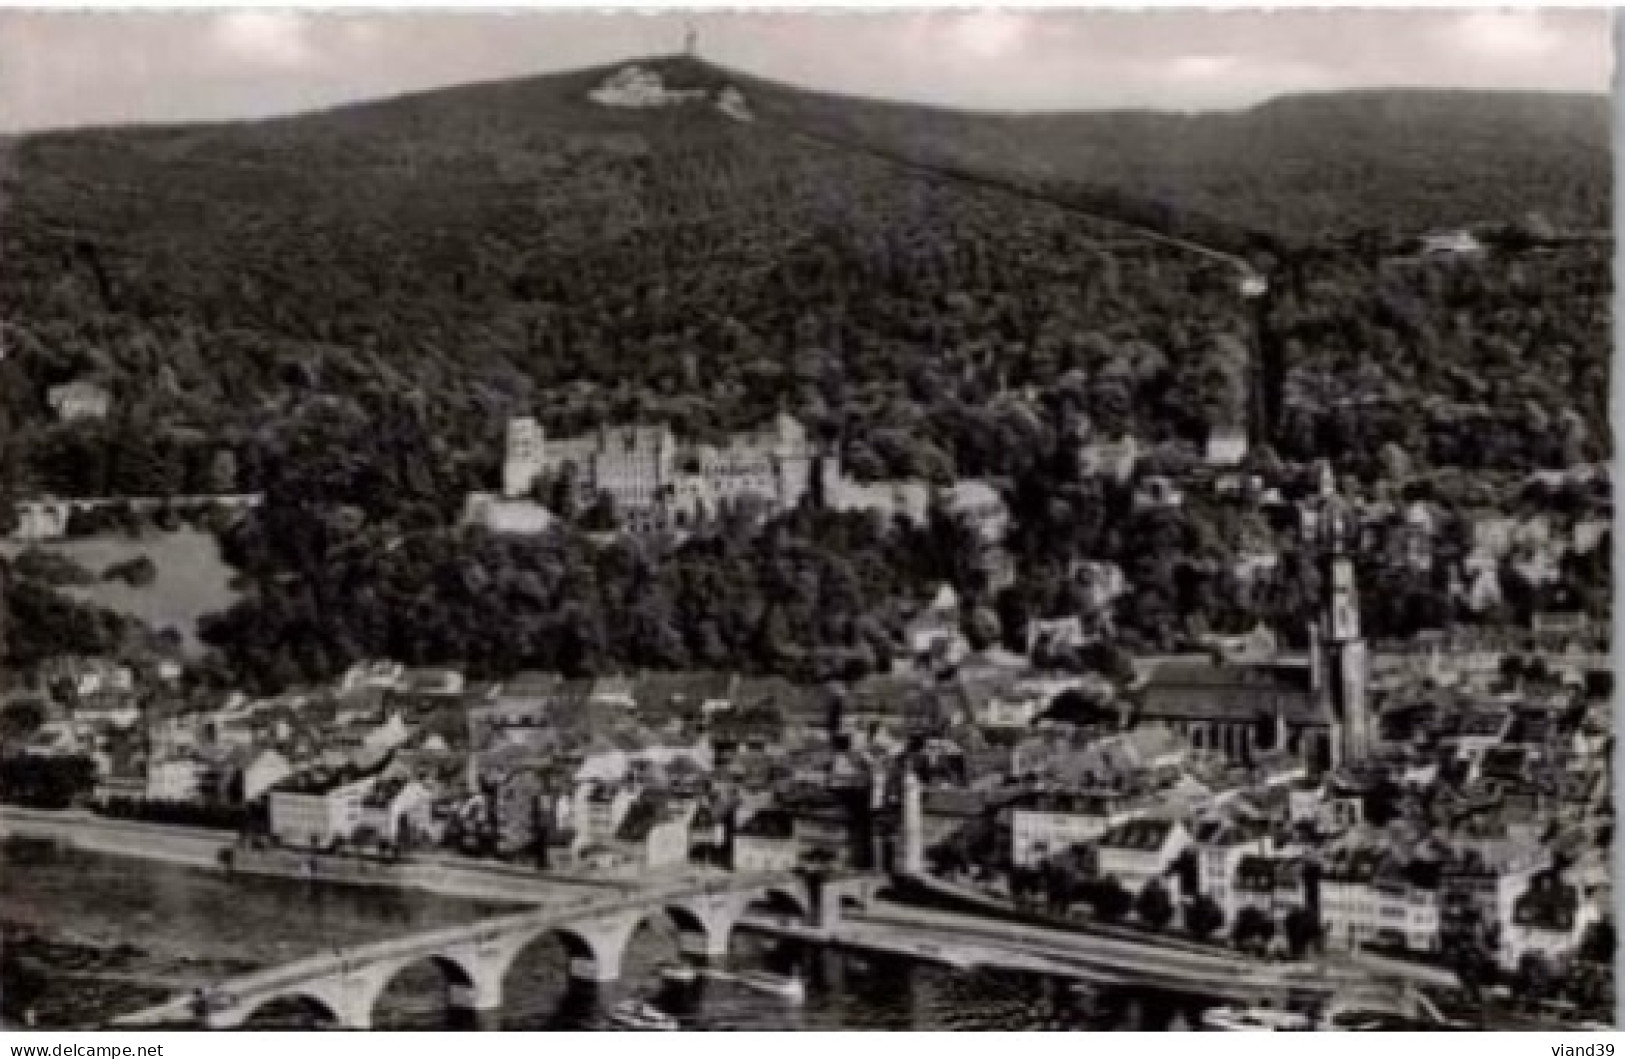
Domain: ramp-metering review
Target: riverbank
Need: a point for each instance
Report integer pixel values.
(47, 975)
(927, 891)
(211, 850)
(188, 846)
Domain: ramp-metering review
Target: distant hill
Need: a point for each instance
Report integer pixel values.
(1298, 166)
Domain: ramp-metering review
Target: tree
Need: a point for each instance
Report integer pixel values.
(1109, 899)
(1599, 944)
(1301, 930)
(19, 719)
(45, 782)
(1154, 906)
(1062, 881)
(1203, 917)
(1253, 928)
(1534, 978)
(1469, 944)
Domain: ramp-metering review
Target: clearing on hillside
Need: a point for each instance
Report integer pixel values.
(192, 579)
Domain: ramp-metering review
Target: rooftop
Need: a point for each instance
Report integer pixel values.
(1144, 835)
(769, 823)
(322, 781)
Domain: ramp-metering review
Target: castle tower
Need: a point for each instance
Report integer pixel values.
(522, 461)
(1341, 650)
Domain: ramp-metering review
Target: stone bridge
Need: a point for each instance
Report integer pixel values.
(474, 960)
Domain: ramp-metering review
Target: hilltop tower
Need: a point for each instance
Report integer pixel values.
(1340, 650)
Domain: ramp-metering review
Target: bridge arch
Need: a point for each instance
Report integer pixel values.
(593, 947)
(311, 1001)
(698, 934)
(705, 923)
(460, 983)
(780, 900)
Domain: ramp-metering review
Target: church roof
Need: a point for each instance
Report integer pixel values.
(1201, 688)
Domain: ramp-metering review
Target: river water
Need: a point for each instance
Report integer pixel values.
(89, 936)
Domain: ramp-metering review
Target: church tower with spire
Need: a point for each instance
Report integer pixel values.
(1340, 650)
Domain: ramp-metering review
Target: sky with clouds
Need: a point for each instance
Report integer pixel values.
(76, 68)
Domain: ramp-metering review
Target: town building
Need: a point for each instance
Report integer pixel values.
(517, 516)
(396, 808)
(1369, 897)
(654, 834)
(1109, 459)
(1019, 706)
(979, 506)
(949, 812)
(1157, 492)
(79, 400)
(638, 88)
(263, 772)
(85, 677)
(1483, 881)
(1317, 709)
(316, 808)
(1239, 709)
(1226, 446)
(1136, 852)
(1457, 243)
(1047, 637)
(906, 499)
(1272, 885)
(766, 842)
(1219, 845)
(599, 809)
(933, 635)
(176, 779)
(1045, 825)
(41, 520)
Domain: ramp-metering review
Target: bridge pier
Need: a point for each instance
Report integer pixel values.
(483, 995)
(605, 941)
(705, 925)
(704, 948)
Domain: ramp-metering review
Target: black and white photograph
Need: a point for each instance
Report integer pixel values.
(833, 520)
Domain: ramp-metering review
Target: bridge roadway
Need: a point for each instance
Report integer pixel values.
(474, 959)
(969, 941)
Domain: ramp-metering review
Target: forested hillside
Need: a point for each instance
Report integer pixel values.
(341, 310)
(448, 261)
